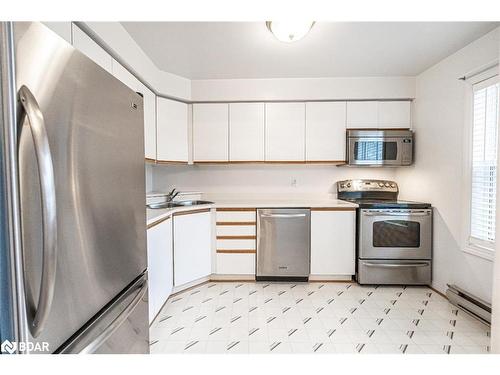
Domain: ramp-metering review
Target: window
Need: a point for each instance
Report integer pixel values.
(485, 115)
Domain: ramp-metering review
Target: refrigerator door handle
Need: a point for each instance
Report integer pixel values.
(117, 322)
(39, 315)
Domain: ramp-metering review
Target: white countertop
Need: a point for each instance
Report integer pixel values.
(157, 214)
(283, 203)
(154, 215)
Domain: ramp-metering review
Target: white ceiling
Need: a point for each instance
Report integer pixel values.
(223, 50)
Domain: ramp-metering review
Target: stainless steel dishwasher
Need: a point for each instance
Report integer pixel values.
(283, 244)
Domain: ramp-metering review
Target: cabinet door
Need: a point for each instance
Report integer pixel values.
(149, 98)
(235, 264)
(325, 131)
(124, 75)
(362, 115)
(246, 131)
(86, 45)
(160, 266)
(172, 130)
(285, 131)
(63, 29)
(394, 115)
(192, 247)
(210, 132)
(333, 242)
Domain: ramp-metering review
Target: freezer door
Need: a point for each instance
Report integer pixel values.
(283, 243)
(121, 328)
(82, 188)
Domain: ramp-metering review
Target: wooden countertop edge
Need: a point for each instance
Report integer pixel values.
(236, 251)
(159, 221)
(190, 212)
(333, 208)
(237, 237)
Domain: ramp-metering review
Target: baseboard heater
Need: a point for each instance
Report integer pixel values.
(473, 305)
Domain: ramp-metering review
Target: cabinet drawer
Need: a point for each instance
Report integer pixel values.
(236, 245)
(236, 264)
(236, 216)
(235, 230)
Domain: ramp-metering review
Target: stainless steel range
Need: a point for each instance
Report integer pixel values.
(394, 237)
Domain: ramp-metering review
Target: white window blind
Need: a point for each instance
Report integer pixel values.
(484, 162)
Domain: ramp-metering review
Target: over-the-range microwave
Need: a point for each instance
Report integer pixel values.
(376, 148)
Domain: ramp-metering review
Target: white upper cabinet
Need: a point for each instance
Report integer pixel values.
(379, 115)
(149, 121)
(149, 104)
(124, 75)
(172, 130)
(285, 131)
(325, 131)
(86, 45)
(246, 131)
(394, 114)
(63, 29)
(362, 115)
(210, 132)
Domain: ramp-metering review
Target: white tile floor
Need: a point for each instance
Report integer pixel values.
(222, 317)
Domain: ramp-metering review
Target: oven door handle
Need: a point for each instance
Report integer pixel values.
(394, 265)
(388, 213)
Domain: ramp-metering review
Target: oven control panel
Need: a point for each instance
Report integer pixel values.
(367, 185)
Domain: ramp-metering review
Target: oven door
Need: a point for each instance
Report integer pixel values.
(375, 151)
(395, 234)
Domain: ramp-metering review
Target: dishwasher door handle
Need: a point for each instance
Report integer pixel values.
(282, 216)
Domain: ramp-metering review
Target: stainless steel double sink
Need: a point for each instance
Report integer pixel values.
(177, 204)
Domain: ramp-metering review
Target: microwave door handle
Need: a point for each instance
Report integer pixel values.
(31, 112)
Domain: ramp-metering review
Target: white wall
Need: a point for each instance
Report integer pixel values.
(120, 43)
(260, 180)
(340, 88)
(437, 175)
(495, 324)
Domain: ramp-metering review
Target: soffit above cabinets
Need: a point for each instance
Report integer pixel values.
(230, 50)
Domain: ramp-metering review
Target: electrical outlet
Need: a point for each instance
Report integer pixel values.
(293, 182)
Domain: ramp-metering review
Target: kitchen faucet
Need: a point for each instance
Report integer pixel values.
(172, 195)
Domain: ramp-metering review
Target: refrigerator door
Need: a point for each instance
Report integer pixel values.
(120, 328)
(82, 188)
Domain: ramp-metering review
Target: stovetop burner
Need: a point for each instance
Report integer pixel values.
(377, 194)
(388, 204)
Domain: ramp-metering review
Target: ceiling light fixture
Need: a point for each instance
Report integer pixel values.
(289, 31)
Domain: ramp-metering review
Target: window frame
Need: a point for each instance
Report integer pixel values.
(474, 246)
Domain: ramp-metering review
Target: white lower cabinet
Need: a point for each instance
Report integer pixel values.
(235, 264)
(333, 242)
(192, 246)
(160, 265)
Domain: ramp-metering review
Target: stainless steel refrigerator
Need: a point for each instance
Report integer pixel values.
(74, 194)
